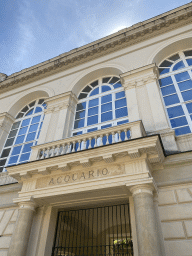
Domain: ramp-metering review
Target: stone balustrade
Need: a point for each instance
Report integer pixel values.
(88, 141)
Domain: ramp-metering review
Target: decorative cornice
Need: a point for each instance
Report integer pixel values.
(141, 31)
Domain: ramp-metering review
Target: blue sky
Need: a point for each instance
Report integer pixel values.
(32, 31)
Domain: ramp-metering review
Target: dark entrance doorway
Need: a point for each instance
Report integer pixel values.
(94, 231)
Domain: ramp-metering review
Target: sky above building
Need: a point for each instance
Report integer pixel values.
(33, 31)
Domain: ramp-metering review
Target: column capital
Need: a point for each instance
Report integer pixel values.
(140, 76)
(26, 204)
(140, 189)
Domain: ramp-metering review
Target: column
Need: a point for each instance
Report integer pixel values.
(147, 235)
(20, 238)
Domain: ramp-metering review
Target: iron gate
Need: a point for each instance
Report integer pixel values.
(94, 231)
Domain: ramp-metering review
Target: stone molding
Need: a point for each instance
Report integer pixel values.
(139, 32)
(26, 203)
(140, 76)
(61, 101)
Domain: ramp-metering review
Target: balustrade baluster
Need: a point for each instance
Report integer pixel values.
(79, 146)
(73, 150)
(57, 150)
(107, 139)
(113, 137)
(95, 141)
(125, 130)
(47, 154)
(63, 149)
(119, 133)
(90, 143)
(84, 144)
(53, 151)
(101, 140)
(43, 154)
(68, 148)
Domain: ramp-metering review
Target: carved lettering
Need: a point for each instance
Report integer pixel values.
(105, 171)
(67, 178)
(51, 182)
(59, 180)
(82, 175)
(91, 174)
(73, 177)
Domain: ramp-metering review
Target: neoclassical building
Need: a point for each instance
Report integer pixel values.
(95, 147)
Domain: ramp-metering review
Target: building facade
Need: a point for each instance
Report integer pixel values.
(96, 147)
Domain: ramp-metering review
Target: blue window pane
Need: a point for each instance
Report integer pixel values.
(93, 103)
(20, 139)
(183, 130)
(80, 114)
(25, 122)
(92, 143)
(187, 95)
(92, 120)
(165, 81)
(9, 142)
(182, 76)
(92, 111)
(94, 92)
(30, 136)
(120, 103)
(163, 71)
(169, 100)
(81, 106)
(13, 159)
(185, 85)
(166, 64)
(24, 157)
(106, 126)
(15, 125)
(77, 133)
(38, 109)
(179, 65)
(121, 112)
(106, 107)
(122, 122)
(175, 111)
(23, 130)
(79, 123)
(92, 129)
(106, 98)
(16, 150)
(12, 133)
(181, 121)
(189, 61)
(35, 119)
(40, 125)
(105, 88)
(120, 95)
(27, 147)
(109, 139)
(29, 113)
(189, 107)
(106, 116)
(117, 85)
(168, 90)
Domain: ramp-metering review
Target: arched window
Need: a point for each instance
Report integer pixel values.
(176, 88)
(23, 135)
(102, 104)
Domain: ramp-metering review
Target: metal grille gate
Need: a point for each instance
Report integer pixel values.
(94, 231)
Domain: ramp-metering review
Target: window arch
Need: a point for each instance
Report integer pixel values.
(102, 104)
(23, 135)
(176, 88)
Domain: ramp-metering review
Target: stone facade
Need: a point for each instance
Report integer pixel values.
(148, 166)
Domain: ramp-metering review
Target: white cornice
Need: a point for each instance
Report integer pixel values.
(139, 32)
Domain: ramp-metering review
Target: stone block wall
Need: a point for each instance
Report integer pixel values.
(175, 210)
(8, 219)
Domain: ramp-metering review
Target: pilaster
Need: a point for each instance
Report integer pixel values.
(57, 117)
(6, 121)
